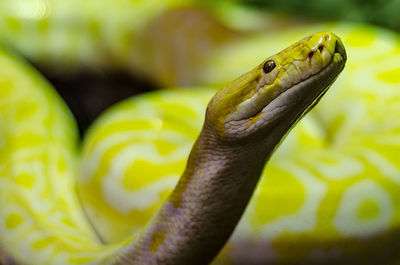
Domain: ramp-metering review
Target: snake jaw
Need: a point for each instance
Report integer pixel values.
(301, 75)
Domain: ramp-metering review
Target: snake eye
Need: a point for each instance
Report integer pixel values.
(269, 66)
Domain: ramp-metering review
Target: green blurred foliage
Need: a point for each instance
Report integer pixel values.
(384, 13)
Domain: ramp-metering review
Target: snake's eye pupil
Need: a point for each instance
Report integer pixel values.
(269, 66)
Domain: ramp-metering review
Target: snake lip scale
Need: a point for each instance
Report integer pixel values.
(335, 65)
(339, 51)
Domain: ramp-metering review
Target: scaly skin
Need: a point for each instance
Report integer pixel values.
(244, 123)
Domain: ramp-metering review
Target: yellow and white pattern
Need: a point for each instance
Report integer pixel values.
(329, 190)
(332, 189)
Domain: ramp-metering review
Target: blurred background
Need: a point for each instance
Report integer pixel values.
(381, 13)
(96, 54)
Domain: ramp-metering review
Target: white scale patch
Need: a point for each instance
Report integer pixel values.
(388, 169)
(306, 218)
(93, 158)
(344, 167)
(125, 201)
(347, 221)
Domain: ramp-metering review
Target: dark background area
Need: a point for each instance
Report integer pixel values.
(88, 94)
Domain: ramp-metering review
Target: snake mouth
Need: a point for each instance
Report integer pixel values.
(335, 66)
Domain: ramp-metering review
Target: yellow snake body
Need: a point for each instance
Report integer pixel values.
(39, 149)
(330, 191)
(333, 184)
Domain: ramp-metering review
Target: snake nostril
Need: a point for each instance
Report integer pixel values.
(336, 47)
(321, 48)
(310, 55)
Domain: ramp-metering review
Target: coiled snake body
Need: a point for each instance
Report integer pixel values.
(291, 216)
(244, 122)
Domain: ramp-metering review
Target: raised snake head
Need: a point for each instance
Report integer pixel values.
(279, 91)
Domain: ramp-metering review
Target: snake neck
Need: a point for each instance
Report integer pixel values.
(201, 213)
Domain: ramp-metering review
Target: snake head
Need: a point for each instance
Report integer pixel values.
(278, 92)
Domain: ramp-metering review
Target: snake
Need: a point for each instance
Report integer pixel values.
(334, 204)
(244, 123)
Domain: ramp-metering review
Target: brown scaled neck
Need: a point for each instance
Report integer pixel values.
(201, 213)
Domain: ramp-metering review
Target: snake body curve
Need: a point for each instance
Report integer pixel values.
(281, 230)
(244, 122)
(332, 184)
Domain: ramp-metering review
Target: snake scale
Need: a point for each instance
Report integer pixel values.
(329, 193)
